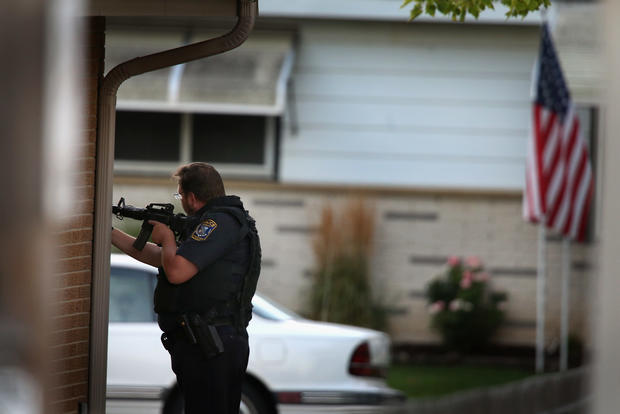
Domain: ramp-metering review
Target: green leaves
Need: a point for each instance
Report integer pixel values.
(463, 308)
(459, 9)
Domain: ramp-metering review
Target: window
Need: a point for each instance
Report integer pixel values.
(131, 295)
(267, 309)
(229, 139)
(223, 110)
(240, 146)
(147, 136)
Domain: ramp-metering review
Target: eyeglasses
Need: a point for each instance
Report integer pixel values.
(178, 196)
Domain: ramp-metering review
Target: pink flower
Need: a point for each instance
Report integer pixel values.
(454, 261)
(467, 279)
(436, 307)
(482, 277)
(473, 262)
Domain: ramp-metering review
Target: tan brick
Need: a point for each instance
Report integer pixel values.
(69, 364)
(72, 279)
(72, 276)
(71, 350)
(91, 84)
(91, 90)
(69, 336)
(83, 207)
(91, 106)
(71, 377)
(74, 236)
(75, 249)
(86, 164)
(72, 322)
(90, 150)
(79, 221)
(72, 293)
(88, 177)
(92, 136)
(63, 393)
(75, 306)
(93, 65)
(84, 192)
(65, 407)
(74, 264)
(90, 124)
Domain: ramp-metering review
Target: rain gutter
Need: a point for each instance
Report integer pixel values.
(247, 11)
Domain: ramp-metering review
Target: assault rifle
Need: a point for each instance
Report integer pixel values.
(161, 212)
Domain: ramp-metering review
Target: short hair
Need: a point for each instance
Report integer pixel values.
(201, 179)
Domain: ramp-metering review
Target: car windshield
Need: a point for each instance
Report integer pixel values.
(266, 308)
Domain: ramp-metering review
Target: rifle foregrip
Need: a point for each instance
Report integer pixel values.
(143, 237)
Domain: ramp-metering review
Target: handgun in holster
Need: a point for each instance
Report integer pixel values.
(199, 332)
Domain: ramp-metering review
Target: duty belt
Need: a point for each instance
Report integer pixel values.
(197, 331)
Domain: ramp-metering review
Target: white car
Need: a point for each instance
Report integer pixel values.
(295, 365)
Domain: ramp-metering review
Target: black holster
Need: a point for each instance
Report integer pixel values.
(198, 331)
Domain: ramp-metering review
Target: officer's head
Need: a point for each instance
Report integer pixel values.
(198, 183)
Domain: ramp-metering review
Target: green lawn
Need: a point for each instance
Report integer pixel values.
(418, 381)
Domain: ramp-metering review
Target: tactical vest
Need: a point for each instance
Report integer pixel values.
(217, 295)
(243, 299)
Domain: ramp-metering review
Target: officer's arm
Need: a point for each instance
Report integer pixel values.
(150, 254)
(177, 268)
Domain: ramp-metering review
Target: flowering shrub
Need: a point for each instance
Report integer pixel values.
(464, 310)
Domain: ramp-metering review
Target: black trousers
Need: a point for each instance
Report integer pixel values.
(211, 385)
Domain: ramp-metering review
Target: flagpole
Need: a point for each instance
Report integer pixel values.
(541, 290)
(566, 254)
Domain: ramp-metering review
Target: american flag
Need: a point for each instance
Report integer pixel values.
(559, 182)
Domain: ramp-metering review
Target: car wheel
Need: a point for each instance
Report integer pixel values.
(254, 401)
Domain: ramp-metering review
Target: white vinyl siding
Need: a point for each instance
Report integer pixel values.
(411, 105)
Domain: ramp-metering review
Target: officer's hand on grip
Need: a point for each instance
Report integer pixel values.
(161, 233)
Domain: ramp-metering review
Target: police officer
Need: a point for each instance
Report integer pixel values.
(202, 292)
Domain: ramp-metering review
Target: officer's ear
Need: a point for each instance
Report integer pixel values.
(194, 201)
(191, 197)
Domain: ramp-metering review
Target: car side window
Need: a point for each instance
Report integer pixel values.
(268, 309)
(131, 295)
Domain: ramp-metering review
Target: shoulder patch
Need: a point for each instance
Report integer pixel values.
(203, 230)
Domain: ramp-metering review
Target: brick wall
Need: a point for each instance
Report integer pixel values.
(415, 233)
(72, 281)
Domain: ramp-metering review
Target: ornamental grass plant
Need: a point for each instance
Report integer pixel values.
(464, 310)
(341, 290)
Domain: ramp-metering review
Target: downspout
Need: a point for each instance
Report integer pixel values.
(247, 11)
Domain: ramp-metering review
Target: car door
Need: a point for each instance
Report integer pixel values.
(137, 362)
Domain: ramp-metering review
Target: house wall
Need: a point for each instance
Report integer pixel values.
(416, 231)
(421, 105)
(72, 280)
